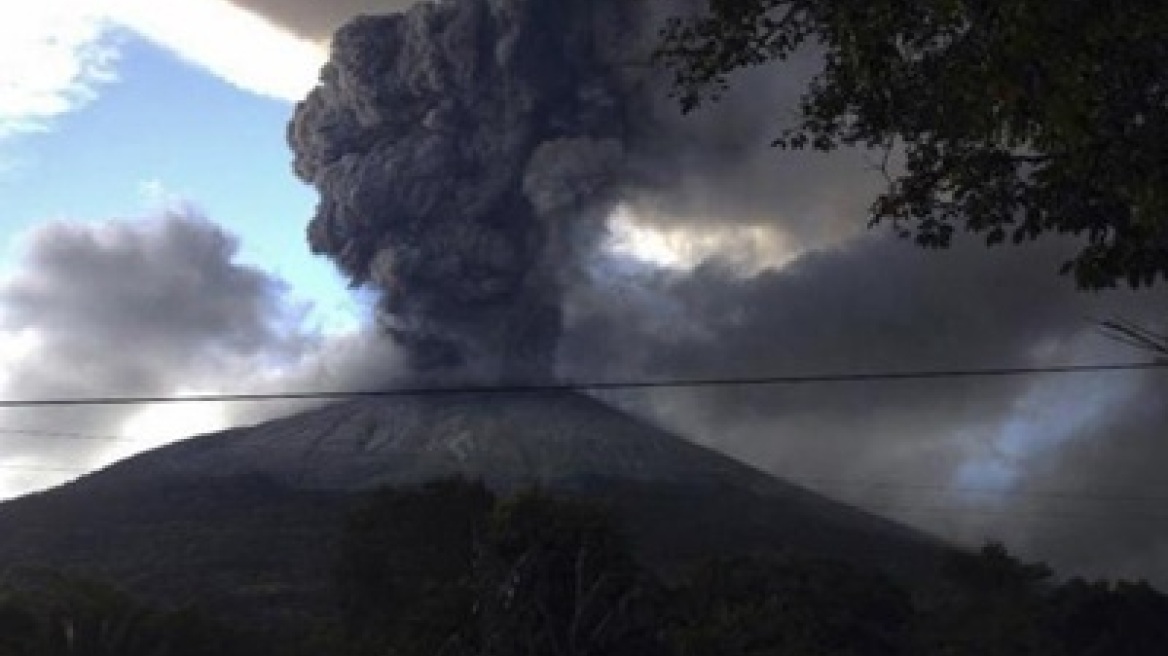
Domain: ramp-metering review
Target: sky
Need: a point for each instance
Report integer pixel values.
(131, 132)
(154, 243)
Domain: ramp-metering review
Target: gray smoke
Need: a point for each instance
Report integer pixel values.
(129, 308)
(469, 152)
(152, 307)
(1066, 469)
(465, 153)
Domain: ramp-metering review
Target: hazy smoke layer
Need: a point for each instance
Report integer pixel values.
(1067, 469)
(458, 148)
(465, 152)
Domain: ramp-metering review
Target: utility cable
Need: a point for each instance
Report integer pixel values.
(1075, 497)
(63, 435)
(596, 386)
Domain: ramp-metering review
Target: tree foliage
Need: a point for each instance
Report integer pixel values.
(405, 575)
(784, 606)
(989, 603)
(448, 569)
(1016, 118)
(555, 577)
(560, 579)
(1109, 619)
(538, 575)
(48, 614)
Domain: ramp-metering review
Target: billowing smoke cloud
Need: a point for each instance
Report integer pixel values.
(1037, 461)
(470, 153)
(461, 151)
(152, 307)
(137, 298)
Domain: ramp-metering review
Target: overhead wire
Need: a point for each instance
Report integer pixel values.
(596, 386)
(43, 468)
(1056, 513)
(63, 435)
(1072, 495)
(676, 383)
(834, 484)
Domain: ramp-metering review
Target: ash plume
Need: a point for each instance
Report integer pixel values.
(464, 153)
(468, 154)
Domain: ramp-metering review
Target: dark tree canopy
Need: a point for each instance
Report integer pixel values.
(781, 604)
(44, 613)
(1016, 118)
(449, 570)
(405, 578)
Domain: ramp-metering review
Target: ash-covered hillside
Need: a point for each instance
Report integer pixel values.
(252, 514)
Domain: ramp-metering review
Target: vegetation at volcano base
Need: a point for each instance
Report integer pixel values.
(448, 568)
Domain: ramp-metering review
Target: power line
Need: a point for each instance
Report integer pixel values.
(1111, 497)
(63, 435)
(1075, 496)
(903, 512)
(45, 468)
(596, 386)
(1015, 511)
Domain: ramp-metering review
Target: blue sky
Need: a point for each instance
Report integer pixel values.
(115, 114)
(166, 131)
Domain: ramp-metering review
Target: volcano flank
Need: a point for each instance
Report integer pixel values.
(251, 516)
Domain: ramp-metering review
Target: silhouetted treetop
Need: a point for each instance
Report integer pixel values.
(1016, 119)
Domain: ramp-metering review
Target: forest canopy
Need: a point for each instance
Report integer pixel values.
(1015, 119)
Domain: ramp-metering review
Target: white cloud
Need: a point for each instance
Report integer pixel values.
(53, 56)
(645, 236)
(234, 44)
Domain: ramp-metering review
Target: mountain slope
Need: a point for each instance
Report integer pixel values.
(252, 514)
(509, 441)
